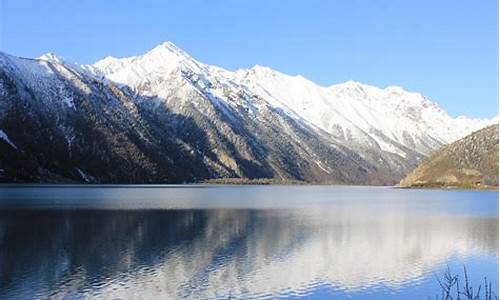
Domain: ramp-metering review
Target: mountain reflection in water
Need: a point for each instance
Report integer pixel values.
(218, 253)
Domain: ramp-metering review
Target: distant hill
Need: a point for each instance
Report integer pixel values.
(469, 162)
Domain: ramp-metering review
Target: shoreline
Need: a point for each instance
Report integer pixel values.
(215, 183)
(436, 186)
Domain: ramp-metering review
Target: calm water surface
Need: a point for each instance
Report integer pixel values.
(220, 242)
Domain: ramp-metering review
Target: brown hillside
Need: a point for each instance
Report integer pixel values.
(468, 162)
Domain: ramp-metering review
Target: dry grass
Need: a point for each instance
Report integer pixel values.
(454, 288)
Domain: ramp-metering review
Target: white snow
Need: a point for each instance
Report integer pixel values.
(136, 70)
(320, 165)
(353, 113)
(5, 137)
(51, 57)
(68, 101)
(83, 175)
(362, 109)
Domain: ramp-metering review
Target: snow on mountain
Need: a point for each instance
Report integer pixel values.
(43, 74)
(51, 57)
(355, 111)
(5, 137)
(165, 117)
(136, 70)
(392, 118)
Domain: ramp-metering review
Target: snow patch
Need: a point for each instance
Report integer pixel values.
(83, 175)
(321, 167)
(69, 102)
(5, 137)
(51, 57)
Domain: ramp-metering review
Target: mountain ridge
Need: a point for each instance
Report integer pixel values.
(259, 71)
(179, 120)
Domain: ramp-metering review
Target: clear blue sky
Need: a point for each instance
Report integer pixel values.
(446, 49)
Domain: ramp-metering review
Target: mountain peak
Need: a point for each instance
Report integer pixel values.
(161, 60)
(169, 46)
(351, 87)
(107, 60)
(261, 69)
(165, 52)
(168, 49)
(51, 57)
(351, 83)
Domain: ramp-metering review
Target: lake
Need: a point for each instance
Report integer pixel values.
(251, 242)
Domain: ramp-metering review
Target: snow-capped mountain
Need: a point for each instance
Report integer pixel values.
(354, 111)
(165, 117)
(342, 110)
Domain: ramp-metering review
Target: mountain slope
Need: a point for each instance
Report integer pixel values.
(165, 117)
(471, 161)
(345, 110)
(68, 127)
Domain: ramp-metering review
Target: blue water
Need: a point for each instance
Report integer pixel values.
(260, 242)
